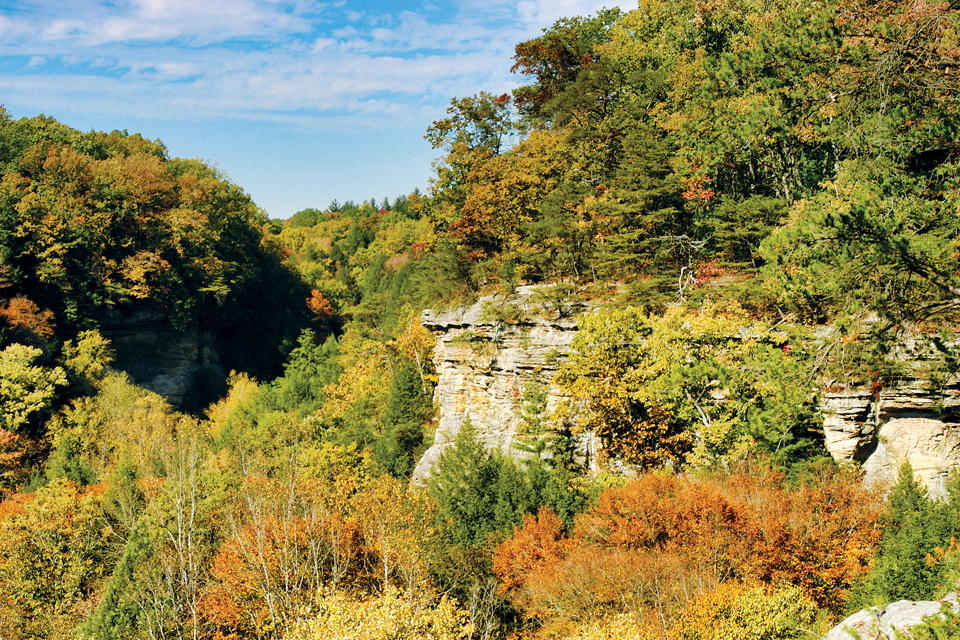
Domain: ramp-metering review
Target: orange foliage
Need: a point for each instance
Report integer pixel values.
(661, 540)
(321, 308)
(273, 565)
(395, 263)
(24, 317)
(538, 541)
(11, 454)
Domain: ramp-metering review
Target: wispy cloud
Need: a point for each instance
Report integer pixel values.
(315, 64)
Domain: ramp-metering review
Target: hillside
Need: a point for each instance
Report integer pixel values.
(613, 325)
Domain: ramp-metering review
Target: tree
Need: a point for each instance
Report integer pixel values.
(744, 611)
(555, 59)
(118, 614)
(53, 556)
(393, 615)
(706, 388)
(26, 388)
(480, 123)
(409, 407)
(903, 569)
(462, 484)
(877, 239)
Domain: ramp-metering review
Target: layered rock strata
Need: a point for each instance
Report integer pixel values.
(486, 355)
(160, 358)
(909, 419)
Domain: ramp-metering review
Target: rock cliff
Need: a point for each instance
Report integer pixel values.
(487, 353)
(172, 363)
(485, 356)
(908, 419)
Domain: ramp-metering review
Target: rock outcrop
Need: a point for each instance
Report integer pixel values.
(884, 623)
(169, 362)
(908, 420)
(488, 352)
(486, 355)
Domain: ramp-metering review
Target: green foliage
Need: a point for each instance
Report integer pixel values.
(945, 626)
(905, 565)
(555, 60)
(704, 388)
(878, 239)
(480, 122)
(409, 408)
(463, 483)
(311, 366)
(305, 218)
(119, 614)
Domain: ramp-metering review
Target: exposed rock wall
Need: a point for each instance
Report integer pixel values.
(159, 358)
(907, 420)
(485, 356)
(487, 353)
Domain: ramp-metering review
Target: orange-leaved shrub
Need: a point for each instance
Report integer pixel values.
(658, 542)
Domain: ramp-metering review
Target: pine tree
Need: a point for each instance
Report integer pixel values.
(118, 614)
(912, 531)
(409, 406)
(463, 485)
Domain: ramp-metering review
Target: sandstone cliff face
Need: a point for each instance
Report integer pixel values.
(487, 353)
(907, 420)
(485, 356)
(157, 357)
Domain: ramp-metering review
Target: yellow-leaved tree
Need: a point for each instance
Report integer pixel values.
(702, 387)
(393, 615)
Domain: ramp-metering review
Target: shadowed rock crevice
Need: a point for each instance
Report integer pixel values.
(181, 365)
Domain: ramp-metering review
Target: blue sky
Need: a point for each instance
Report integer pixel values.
(299, 102)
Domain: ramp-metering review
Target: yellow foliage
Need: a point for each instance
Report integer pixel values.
(24, 387)
(52, 557)
(394, 615)
(745, 612)
(625, 626)
(241, 389)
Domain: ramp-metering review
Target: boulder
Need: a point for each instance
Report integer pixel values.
(884, 623)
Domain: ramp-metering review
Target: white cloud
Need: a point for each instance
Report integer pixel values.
(281, 60)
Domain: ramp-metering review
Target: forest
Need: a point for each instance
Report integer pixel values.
(759, 200)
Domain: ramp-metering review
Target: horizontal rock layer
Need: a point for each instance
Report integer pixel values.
(488, 352)
(486, 355)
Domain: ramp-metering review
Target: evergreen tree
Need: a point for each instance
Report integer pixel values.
(463, 485)
(913, 529)
(118, 615)
(409, 407)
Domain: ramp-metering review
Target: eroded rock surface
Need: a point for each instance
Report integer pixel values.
(909, 420)
(884, 623)
(486, 355)
(159, 358)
